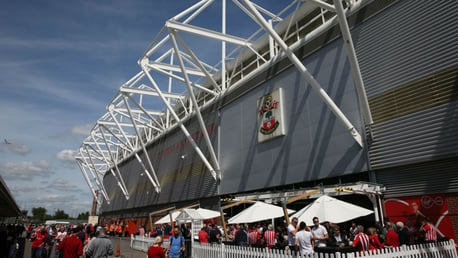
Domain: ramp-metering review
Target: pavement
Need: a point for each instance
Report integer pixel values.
(124, 249)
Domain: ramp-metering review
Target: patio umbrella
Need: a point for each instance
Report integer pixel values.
(259, 211)
(166, 218)
(330, 209)
(208, 214)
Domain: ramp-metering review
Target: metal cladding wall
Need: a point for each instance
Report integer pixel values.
(409, 61)
(316, 144)
(181, 173)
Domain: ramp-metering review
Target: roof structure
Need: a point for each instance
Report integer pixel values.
(8, 206)
(178, 79)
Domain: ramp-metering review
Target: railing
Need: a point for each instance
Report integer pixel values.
(441, 249)
(445, 249)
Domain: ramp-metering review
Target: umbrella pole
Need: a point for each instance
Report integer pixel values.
(171, 221)
(150, 223)
(285, 211)
(223, 221)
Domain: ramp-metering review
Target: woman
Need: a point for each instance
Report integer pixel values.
(374, 242)
(155, 250)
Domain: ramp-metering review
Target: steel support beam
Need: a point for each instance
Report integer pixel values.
(153, 178)
(305, 73)
(144, 67)
(196, 106)
(356, 71)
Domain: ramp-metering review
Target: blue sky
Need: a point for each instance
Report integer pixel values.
(61, 62)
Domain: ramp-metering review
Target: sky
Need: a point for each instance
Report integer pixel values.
(61, 63)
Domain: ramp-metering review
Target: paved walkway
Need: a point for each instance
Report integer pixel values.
(124, 249)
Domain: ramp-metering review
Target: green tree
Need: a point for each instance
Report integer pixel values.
(83, 216)
(39, 214)
(60, 214)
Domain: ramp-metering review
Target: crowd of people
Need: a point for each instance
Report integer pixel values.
(72, 241)
(69, 241)
(322, 237)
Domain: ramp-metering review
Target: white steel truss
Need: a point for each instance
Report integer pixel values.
(178, 79)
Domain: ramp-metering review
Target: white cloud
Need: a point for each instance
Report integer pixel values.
(61, 184)
(66, 155)
(55, 198)
(82, 129)
(18, 148)
(25, 170)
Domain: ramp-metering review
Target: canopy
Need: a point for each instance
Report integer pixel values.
(208, 214)
(166, 218)
(258, 212)
(330, 209)
(202, 214)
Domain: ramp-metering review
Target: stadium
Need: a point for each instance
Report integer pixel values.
(355, 98)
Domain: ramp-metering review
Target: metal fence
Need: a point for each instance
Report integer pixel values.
(445, 249)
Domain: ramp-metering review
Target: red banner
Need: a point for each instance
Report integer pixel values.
(417, 208)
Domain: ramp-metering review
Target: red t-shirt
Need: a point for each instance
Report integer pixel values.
(72, 247)
(39, 240)
(203, 236)
(392, 238)
(156, 252)
(374, 243)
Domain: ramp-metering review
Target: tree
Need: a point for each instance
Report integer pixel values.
(60, 214)
(39, 214)
(83, 216)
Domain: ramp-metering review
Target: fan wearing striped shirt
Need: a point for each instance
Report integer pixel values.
(361, 240)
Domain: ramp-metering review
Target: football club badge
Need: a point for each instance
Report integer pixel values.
(270, 116)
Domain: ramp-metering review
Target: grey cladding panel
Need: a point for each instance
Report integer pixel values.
(316, 145)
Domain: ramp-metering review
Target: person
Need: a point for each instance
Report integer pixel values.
(361, 240)
(72, 247)
(337, 239)
(241, 236)
(429, 230)
(61, 234)
(320, 234)
(304, 239)
(232, 231)
(203, 236)
(352, 231)
(89, 241)
(404, 237)
(176, 244)
(374, 241)
(39, 239)
(391, 238)
(292, 230)
(155, 250)
(253, 237)
(214, 235)
(101, 246)
(269, 236)
(14, 248)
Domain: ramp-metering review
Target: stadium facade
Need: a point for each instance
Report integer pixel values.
(325, 93)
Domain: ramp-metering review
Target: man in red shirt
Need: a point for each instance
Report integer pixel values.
(361, 240)
(39, 239)
(430, 231)
(270, 236)
(392, 238)
(253, 237)
(72, 245)
(203, 236)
